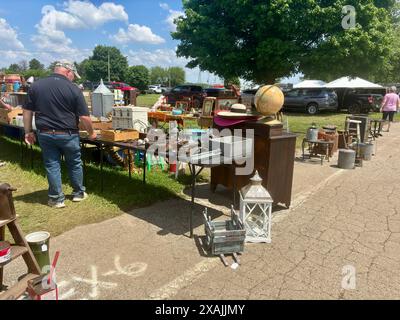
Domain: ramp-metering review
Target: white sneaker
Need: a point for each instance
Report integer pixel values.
(56, 204)
(80, 198)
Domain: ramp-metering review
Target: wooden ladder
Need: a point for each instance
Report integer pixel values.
(19, 248)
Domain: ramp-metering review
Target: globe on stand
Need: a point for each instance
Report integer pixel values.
(269, 102)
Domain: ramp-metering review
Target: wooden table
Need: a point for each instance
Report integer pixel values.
(167, 117)
(325, 145)
(102, 144)
(376, 127)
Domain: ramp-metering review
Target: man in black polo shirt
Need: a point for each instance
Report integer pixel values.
(58, 104)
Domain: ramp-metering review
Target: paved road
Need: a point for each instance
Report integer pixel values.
(340, 240)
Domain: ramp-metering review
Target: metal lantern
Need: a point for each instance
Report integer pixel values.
(256, 210)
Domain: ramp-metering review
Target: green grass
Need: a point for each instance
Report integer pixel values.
(120, 193)
(300, 122)
(147, 100)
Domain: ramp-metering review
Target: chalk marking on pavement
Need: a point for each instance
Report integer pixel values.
(172, 288)
(95, 283)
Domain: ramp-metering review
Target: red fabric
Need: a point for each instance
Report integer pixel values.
(224, 122)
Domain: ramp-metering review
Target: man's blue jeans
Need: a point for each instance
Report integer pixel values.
(53, 147)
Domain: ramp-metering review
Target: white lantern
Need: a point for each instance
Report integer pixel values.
(255, 210)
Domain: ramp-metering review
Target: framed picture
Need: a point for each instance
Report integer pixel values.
(224, 104)
(208, 106)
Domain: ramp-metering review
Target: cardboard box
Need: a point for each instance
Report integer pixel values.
(119, 135)
(8, 116)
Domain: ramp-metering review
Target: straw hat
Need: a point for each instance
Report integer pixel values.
(237, 114)
(237, 111)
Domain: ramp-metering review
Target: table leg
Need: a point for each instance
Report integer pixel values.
(83, 148)
(31, 147)
(380, 129)
(302, 148)
(129, 164)
(234, 187)
(2, 235)
(193, 172)
(21, 138)
(101, 168)
(144, 166)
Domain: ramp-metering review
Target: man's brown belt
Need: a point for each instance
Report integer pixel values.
(65, 132)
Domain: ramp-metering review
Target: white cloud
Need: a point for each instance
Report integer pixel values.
(9, 37)
(51, 39)
(12, 50)
(164, 6)
(94, 16)
(159, 57)
(172, 15)
(167, 58)
(137, 33)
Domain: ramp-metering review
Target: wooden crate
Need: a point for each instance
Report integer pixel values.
(119, 135)
(8, 116)
(225, 237)
(98, 125)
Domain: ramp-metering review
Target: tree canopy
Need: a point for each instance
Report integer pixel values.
(171, 76)
(262, 40)
(138, 76)
(35, 64)
(96, 67)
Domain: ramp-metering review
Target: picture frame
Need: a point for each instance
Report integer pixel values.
(224, 104)
(208, 106)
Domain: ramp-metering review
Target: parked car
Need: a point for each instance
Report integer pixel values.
(311, 100)
(157, 88)
(358, 101)
(184, 92)
(122, 86)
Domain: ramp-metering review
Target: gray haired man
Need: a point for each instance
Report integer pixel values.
(58, 105)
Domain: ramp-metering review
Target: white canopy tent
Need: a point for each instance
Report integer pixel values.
(310, 84)
(348, 82)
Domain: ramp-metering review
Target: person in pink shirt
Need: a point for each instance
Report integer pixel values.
(390, 104)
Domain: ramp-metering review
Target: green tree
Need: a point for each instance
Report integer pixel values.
(35, 64)
(158, 75)
(36, 73)
(52, 66)
(96, 67)
(81, 67)
(138, 76)
(176, 76)
(264, 40)
(232, 81)
(14, 68)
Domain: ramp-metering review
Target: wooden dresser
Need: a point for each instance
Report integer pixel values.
(274, 160)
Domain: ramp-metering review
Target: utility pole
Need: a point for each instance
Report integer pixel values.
(109, 78)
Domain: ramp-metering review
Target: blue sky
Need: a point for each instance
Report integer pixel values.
(49, 30)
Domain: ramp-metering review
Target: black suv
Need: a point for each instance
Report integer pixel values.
(311, 100)
(183, 92)
(358, 101)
